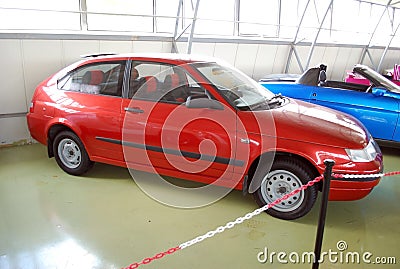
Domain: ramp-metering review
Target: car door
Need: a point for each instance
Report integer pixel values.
(396, 136)
(379, 114)
(293, 90)
(92, 95)
(161, 134)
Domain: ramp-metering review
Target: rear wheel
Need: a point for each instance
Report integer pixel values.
(286, 175)
(70, 153)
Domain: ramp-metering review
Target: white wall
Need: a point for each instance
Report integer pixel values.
(26, 62)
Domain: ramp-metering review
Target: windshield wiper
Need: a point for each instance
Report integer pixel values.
(273, 101)
(259, 104)
(276, 99)
(268, 103)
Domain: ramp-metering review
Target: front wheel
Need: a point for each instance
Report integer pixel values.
(286, 175)
(70, 153)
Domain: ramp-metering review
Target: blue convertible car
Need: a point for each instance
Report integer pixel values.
(376, 105)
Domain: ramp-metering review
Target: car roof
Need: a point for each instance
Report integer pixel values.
(178, 58)
(181, 57)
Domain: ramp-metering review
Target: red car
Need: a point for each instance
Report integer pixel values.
(201, 120)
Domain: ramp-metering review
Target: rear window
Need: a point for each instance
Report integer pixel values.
(100, 78)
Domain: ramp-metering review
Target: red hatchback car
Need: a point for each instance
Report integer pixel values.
(202, 120)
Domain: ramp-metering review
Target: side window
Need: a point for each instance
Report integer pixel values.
(100, 78)
(161, 82)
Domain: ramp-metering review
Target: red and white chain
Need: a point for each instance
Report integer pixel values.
(366, 176)
(229, 225)
(250, 215)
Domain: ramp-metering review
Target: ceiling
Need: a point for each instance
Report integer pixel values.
(392, 3)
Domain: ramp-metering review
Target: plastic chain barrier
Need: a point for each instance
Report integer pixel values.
(220, 229)
(248, 216)
(388, 174)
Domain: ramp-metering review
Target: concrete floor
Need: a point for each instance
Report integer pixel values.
(49, 219)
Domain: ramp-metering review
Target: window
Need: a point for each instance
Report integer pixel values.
(259, 18)
(215, 17)
(385, 27)
(39, 14)
(290, 18)
(351, 23)
(120, 15)
(240, 90)
(161, 83)
(312, 19)
(167, 11)
(104, 78)
(356, 22)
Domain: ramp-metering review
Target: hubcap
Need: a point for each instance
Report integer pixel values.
(278, 183)
(69, 153)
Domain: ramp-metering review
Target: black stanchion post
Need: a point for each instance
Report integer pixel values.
(322, 213)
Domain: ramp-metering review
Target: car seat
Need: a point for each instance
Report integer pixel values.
(91, 80)
(309, 77)
(171, 81)
(93, 77)
(147, 88)
(150, 84)
(322, 78)
(176, 85)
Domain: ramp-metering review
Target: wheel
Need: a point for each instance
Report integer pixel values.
(286, 175)
(70, 153)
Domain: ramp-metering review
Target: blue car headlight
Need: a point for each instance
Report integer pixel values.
(366, 154)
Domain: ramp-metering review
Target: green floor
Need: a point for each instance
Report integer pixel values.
(49, 219)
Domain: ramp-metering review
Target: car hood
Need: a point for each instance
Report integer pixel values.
(301, 121)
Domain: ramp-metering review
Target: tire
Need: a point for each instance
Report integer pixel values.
(286, 175)
(70, 153)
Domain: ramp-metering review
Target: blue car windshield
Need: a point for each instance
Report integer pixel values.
(384, 82)
(242, 91)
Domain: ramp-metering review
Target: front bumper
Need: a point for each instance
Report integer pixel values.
(350, 190)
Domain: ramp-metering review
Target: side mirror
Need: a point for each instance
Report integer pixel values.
(203, 102)
(379, 91)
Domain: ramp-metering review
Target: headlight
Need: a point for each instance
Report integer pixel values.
(366, 154)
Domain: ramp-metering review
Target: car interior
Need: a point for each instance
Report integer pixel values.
(316, 76)
(173, 88)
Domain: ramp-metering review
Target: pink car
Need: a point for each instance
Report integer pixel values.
(356, 78)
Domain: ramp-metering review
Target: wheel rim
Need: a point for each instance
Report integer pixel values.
(278, 183)
(69, 153)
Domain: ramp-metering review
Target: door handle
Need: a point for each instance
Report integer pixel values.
(134, 109)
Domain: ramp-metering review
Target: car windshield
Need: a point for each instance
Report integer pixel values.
(383, 82)
(242, 91)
